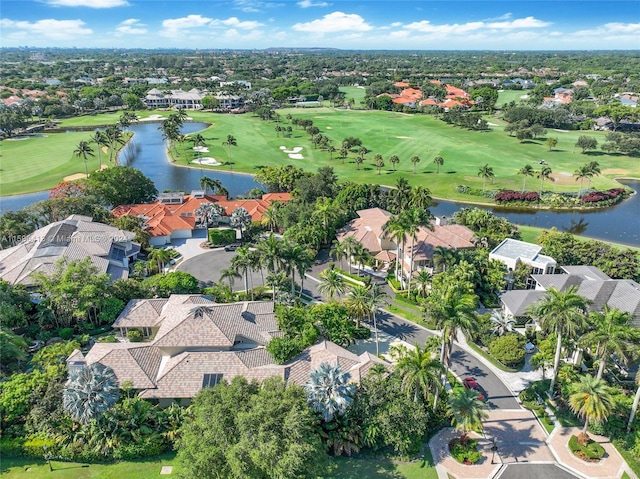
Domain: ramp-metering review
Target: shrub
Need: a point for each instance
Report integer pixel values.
(11, 446)
(508, 349)
(222, 236)
(590, 452)
(65, 333)
(465, 450)
(134, 335)
(108, 339)
(33, 446)
(283, 349)
(508, 196)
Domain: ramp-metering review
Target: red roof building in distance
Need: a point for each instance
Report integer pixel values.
(174, 215)
(401, 84)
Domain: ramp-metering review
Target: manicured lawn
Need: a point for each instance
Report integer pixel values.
(40, 163)
(342, 467)
(354, 93)
(141, 469)
(507, 96)
(530, 234)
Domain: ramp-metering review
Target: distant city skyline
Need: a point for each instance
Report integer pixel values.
(361, 25)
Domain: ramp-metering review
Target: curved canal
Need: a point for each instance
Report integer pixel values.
(147, 152)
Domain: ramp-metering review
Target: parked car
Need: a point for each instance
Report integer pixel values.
(232, 246)
(471, 383)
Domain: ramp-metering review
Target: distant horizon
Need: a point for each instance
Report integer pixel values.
(373, 50)
(352, 25)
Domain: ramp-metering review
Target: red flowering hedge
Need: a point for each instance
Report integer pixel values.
(598, 196)
(507, 196)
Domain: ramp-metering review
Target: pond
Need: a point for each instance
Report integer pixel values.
(147, 152)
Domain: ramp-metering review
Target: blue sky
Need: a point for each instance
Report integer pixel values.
(367, 24)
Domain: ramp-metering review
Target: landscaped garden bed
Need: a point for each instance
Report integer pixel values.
(585, 448)
(465, 450)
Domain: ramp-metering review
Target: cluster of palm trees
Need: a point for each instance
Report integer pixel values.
(587, 171)
(171, 128)
(544, 174)
(112, 138)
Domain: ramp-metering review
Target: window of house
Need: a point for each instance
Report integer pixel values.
(210, 380)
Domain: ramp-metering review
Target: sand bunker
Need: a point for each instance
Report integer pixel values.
(296, 156)
(207, 161)
(296, 149)
(403, 137)
(492, 124)
(27, 137)
(154, 117)
(79, 176)
(329, 128)
(201, 149)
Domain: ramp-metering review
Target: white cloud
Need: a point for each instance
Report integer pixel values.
(311, 3)
(131, 26)
(175, 27)
(235, 23)
(335, 22)
(528, 22)
(88, 3)
(611, 29)
(425, 26)
(49, 28)
(254, 6)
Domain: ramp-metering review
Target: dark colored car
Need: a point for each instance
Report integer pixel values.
(232, 247)
(471, 383)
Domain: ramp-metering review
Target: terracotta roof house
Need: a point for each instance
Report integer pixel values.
(174, 215)
(77, 237)
(367, 229)
(193, 343)
(592, 284)
(455, 97)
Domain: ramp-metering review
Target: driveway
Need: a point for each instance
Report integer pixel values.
(206, 268)
(534, 471)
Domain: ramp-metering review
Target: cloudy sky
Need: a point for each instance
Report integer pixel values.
(365, 24)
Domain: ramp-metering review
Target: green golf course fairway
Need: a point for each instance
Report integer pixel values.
(40, 163)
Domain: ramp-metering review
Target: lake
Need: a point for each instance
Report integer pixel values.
(147, 152)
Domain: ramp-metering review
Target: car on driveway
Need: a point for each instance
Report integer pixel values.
(232, 246)
(471, 383)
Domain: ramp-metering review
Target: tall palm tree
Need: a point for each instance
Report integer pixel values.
(297, 258)
(83, 150)
(331, 284)
(502, 323)
(594, 169)
(241, 261)
(414, 161)
(580, 174)
(337, 251)
(526, 170)
(443, 258)
(206, 183)
(100, 140)
(395, 230)
(401, 195)
(420, 197)
(272, 216)
(379, 162)
(198, 140)
(591, 400)
(394, 160)
(468, 410)
(361, 256)
(161, 256)
(327, 213)
(611, 332)
(544, 174)
(270, 250)
(562, 313)
(230, 275)
(359, 304)
(229, 142)
(90, 392)
(377, 299)
(420, 373)
(359, 160)
(486, 172)
(636, 401)
(329, 392)
(439, 161)
(350, 245)
(331, 149)
(414, 219)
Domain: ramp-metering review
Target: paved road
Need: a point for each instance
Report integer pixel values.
(206, 267)
(534, 471)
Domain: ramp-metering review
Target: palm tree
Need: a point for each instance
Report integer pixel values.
(421, 281)
(486, 172)
(100, 139)
(90, 391)
(198, 140)
(331, 149)
(241, 261)
(591, 400)
(580, 174)
(229, 142)
(636, 401)
(420, 197)
(297, 258)
(468, 410)
(361, 256)
(358, 302)
(359, 160)
(377, 298)
(420, 373)
(562, 313)
(439, 161)
(414, 219)
(350, 245)
(544, 174)
(443, 257)
(502, 322)
(394, 229)
(611, 332)
(331, 284)
(344, 152)
(209, 213)
(337, 251)
(240, 218)
(206, 183)
(82, 150)
(230, 275)
(526, 170)
(326, 211)
(394, 160)
(379, 162)
(270, 250)
(161, 256)
(271, 216)
(328, 391)
(414, 161)
(594, 170)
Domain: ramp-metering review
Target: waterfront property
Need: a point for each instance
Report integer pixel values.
(513, 252)
(110, 249)
(192, 343)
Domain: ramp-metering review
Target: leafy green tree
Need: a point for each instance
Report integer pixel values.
(562, 313)
(586, 143)
(91, 391)
(19, 392)
(15, 305)
(54, 356)
(251, 430)
(175, 282)
(329, 392)
(468, 410)
(508, 349)
(591, 400)
(13, 350)
(121, 186)
(551, 143)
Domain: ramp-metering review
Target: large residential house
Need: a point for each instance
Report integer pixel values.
(368, 230)
(174, 215)
(513, 252)
(110, 249)
(192, 343)
(592, 284)
(188, 100)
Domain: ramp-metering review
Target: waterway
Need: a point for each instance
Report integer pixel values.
(147, 152)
